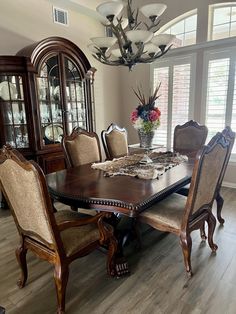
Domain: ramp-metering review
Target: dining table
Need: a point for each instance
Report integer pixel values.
(87, 187)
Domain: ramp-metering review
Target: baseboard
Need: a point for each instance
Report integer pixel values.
(229, 184)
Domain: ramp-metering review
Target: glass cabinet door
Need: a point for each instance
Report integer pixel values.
(61, 94)
(13, 111)
(75, 100)
(50, 102)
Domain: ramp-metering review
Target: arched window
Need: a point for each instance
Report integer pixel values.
(184, 27)
(222, 20)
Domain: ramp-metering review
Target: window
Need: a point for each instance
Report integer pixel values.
(220, 93)
(222, 21)
(184, 29)
(175, 102)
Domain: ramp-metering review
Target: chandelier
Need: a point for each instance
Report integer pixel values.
(129, 40)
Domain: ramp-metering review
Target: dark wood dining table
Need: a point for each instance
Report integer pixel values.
(86, 187)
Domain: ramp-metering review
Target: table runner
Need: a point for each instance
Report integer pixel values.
(132, 165)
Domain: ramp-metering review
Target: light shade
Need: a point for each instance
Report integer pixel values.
(116, 53)
(104, 42)
(153, 9)
(137, 36)
(150, 48)
(110, 8)
(92, 48)
(162, 39)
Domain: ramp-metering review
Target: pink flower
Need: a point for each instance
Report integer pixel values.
(134, 115)
(158, 112)
(154, 115)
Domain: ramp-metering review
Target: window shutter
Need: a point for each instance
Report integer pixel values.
(181, 94)
(161, 75)
(175, 77)
(216, 100)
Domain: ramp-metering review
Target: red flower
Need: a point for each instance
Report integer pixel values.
(154, 115)
(134, 115)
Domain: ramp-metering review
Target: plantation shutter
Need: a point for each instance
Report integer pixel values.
(216, 99)
(162, 75)
(181, 93)
(175, 76)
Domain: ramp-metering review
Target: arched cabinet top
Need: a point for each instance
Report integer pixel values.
(39, 51)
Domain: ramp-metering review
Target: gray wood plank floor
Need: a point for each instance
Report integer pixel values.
(157, 284)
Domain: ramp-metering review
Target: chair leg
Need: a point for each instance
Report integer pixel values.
(220, 202)
(61, 274)
(21, 252)
(203, 232)
(211, 221)
(186, 244)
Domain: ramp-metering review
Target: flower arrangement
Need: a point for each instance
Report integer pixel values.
(146, 117)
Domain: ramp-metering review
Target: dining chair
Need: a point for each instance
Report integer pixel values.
(58, 238)
(230, 136)
(180, 215)
(115, 141)
(189, 138)
(81, 147)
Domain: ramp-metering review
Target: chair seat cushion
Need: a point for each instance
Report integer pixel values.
(76, 238)
(168, 212)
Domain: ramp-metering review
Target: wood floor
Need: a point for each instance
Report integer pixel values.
(157, 284)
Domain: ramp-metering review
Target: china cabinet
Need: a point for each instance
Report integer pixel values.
(45, 91)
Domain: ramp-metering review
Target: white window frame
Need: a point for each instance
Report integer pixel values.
(171, 62)
(220, 53)
(212, 7)
(178, 19)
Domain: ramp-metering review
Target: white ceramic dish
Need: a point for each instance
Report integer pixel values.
(7, 89)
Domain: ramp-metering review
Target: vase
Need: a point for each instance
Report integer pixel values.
(145, 138)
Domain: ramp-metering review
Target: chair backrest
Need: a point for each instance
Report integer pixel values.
(208, 167)
(230, 136)
(23, 184)
(115, 141)
(189, 138)
(81, 147)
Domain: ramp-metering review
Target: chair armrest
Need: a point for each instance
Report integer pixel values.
(82, 221)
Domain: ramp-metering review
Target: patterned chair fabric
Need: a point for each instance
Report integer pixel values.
(81, 147)
(115, 141)
(57, 237)
(180, 215)
(189, 138)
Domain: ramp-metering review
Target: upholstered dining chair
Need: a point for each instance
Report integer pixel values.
(58, 238)
(189, 138)
(180, 215)
(115, 141)
(230, 136)
(81, 147)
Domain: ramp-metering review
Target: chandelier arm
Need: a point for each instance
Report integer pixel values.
(139, 52)
(130, 15)
(106, 61)
(148, 60)
(117, 30)
(149, 27)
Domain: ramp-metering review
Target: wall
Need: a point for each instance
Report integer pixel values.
(23, 22)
